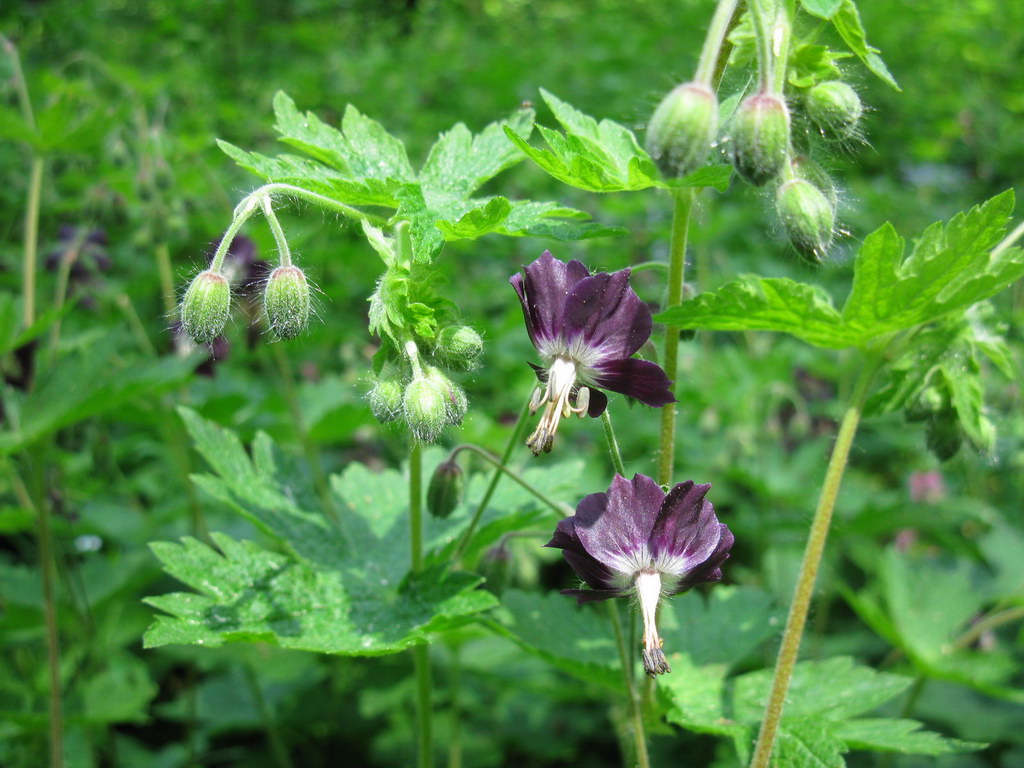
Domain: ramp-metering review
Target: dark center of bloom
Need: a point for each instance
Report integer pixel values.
(556, 395)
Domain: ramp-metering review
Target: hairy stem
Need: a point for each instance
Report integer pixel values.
(455, 688)
(275, 226)
(244, 210)
(29, 254)
(809, 567)
(166, 274)
(763, 41)
(515, 476)
(421, 652)
(781, 31)
(613, 444)
(513, 441)
(635, 713)
(677, 275)
(717, 30)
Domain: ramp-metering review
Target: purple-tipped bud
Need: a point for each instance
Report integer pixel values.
(760, 138)
(445, 490)
(425, 408)
(459, 346)
(835, 108)
(206, 306)
(808, 218)
(682, 129)
(286, 301)
(386, 399)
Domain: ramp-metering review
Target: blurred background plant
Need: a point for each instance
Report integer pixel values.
(127, 101)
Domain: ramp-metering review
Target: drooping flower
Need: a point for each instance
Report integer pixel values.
(637, 540)
(586, 329)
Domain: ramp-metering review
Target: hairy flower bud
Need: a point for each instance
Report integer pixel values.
(459, 346)
(455, 400)
(760, 137)
(930, 402)
(425, 408)
(206, 306)
(286, 301)
(808, 218)
(386, 399)
(835, 108)
(682, 129)
(445, 490)
(807, 169)
(943, 434)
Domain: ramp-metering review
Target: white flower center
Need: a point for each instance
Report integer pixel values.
(555, 396)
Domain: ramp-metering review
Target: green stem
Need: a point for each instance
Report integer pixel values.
(309, 448)
(277, 745)
(613, 444)
(275, 226)
(763, 41)
(513, 441)
(243, 211)
(989, 622)
(35, 186)
(1009, 240)
(321, 200)
(60, 293)
(713, 41)
(809, 567)
(677, 275)
(635, 713)
(166, 276)
(515, 476)
(781, 31)
(421, 652)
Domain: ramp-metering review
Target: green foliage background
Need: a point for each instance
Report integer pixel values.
(130, 98)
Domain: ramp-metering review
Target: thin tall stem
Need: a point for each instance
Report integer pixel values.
(763, 42)
(35, 186)
(277, 745)
(455, 687)
(515, 476)
(714, 40)
(421, 652)
(809, 567)
(275, 226)
(513, 441)
(677, 275)
(613, 444)
(635, 713)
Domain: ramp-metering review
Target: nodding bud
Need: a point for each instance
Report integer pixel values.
(808, 218)
(459, 346)
(682, 129)
(760, 138)
(807, 169)
(455, 401)
(943, 434)
(930, 402)
(206, 306)
(496, 567)
(835, 108)
(386, 399)
(445, 490)
(286, 301)
(425, 408)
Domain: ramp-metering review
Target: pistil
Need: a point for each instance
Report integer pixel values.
(648, 590)
(556, 395)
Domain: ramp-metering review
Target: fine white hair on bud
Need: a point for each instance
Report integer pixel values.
(287, 302)
(206, 306)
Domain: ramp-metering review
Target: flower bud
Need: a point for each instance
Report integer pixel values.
(808, 218)
(425, 408)
(286, 301)
(760, 137)
(496, 567)
(943, 435)
(807, 169)
(205, 308)
(682, 129)
(386, 399)
(459, 346)
(445, 490)
(835, 108)
(930, 402)
(455, 400)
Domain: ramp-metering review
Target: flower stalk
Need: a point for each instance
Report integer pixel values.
(635, 712)
(813, 552)
(421, 652)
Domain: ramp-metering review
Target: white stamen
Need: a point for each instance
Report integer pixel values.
(648, 590)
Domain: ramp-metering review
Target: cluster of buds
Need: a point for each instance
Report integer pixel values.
(419, 390)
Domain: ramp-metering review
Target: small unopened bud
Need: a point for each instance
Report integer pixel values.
(286, 301)
(835, 108)
(807, 169)
(682, 129)
(445, 490)
(459, 346)
(206, 306)
(760, 137)
(425, 407)
(930, 402)
(386, 399)
(944, 435)
(496, 567)
(455, 401)
(808, 218)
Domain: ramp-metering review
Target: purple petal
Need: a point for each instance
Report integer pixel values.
(605, 311)
(686, 533)
(542, 289)
(592, 595)
(711, 570)
(615, 527)
(598, 402)
(592, 572)
(641, 379)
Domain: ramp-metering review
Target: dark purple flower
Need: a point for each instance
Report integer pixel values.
(586, 329)
(636, 540)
